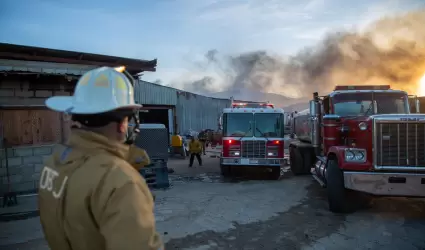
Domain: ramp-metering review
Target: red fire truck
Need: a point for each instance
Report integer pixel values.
(253, 135)
(360, 141)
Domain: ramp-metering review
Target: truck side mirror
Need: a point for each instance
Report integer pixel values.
(220, 122)
(418, 104)
(375, 107)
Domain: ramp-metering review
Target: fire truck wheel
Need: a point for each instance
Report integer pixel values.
(297, 161)
(225, 170)
(340, 199)
(274, 174)
(337, 197)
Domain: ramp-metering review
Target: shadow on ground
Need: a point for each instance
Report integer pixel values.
(292, 229)
(6, 217)
(300, 226)
(238, 175)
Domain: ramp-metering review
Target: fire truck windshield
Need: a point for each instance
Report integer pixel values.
(242, 124)
(238, 124)
(361, 104)
(269, 125)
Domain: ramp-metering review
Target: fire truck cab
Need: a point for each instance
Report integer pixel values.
(360, 141)
(253, 136)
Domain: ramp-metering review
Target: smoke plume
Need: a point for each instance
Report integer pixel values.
(389, 51)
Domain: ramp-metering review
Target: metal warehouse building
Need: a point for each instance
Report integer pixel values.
(28, 130)
(177, 109)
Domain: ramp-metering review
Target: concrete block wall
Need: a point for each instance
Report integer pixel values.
(25, 165)
(19, 93)
(26, 162)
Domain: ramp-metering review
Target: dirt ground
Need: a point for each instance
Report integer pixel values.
(201, 210)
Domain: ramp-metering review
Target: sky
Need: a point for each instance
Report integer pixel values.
(179, 32)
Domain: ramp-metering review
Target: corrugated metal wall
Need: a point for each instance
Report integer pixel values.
(192, 111)
(151, 93)
(198, 112)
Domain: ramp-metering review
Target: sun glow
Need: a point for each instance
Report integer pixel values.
(421, 90)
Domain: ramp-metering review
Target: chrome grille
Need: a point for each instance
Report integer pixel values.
(400, 144)
(253, 149)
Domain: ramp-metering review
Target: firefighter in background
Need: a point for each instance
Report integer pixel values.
(203, 136)
(90, 197)
(195, 149)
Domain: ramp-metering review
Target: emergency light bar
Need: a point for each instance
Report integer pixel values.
(363, 87)
(251, 105)
(268, 105)
(237, 104)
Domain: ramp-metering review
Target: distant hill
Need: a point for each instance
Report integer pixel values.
(287, 103)
(296, 107)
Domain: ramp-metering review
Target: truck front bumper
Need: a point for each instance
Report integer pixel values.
(251, 162)
(386, 184)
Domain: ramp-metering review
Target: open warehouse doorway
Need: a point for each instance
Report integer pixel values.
(159, 115)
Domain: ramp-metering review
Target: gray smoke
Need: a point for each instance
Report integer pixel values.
(211, 56)
(255, 70)
(203, 85)
(389, 51)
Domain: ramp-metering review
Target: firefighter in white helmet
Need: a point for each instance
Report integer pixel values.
(90, 197)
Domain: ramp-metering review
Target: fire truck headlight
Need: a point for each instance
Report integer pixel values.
(355, 155)
(362, 126)
(271, 154)
(349, 156)
(236, 153)
(359, 156)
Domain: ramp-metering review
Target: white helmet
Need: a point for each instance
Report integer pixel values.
(100, 90)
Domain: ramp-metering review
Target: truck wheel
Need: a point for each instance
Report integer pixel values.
(297, 161)
(340, 199)
(225, 170)
(275, 173)
(309, 159)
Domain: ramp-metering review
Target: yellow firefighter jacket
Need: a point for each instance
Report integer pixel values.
(91, 198)
(138, 157)
(195, 146)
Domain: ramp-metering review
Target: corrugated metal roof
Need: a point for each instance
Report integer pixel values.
(43, 67)
(151, 93)
(198, 112)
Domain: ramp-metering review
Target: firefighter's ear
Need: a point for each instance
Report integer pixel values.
(123, 126)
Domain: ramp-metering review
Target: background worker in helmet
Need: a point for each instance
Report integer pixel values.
(195, 149)
(203, 140)
(90, 197)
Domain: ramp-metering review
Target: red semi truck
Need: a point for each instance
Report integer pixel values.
(359, 142)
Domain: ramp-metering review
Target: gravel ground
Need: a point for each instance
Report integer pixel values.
(203, 211)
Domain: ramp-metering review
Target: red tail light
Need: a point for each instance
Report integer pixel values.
(275, 149)
(231, 148)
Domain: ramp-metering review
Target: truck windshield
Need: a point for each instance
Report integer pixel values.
(361, 104)
(269, 125)
(238, 124)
